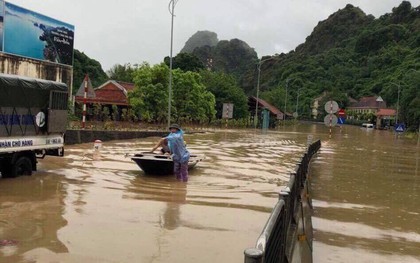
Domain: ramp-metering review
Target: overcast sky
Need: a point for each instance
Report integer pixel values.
(133, 31)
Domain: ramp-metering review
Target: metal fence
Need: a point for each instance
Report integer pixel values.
(277, 240)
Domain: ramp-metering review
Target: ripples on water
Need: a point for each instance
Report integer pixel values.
(366, 186)
(87, 207)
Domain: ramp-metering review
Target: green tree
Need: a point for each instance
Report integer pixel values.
(105, 114)
(124, 115)
(83, 65)
(226, 90)
(191, 102)
(115, 113)
(122, 72)
(185, 62)
(97, 110)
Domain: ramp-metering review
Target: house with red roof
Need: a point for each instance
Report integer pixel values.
(275, 114)
(367, 105)
(376, 106)
(108, 94)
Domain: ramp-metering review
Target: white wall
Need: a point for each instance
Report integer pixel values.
(15, 65)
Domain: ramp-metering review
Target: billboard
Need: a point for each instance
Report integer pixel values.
(29, 34)
(1, 24)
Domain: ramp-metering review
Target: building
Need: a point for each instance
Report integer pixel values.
(367, 105)
(315, 105)
(111, 92)
(375, 106)
(384, 118)
(275, 114)
(108, 94)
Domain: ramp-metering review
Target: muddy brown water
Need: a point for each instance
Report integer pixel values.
(366, 186)
(87, 207)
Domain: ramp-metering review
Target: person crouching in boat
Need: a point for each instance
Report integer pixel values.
(163, 143)
(180, 154)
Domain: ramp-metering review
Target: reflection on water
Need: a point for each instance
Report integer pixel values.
(100, 207)
(31, 210)
(366, 188)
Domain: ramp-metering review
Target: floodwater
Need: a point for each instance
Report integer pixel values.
(90, 207)
(366, 186)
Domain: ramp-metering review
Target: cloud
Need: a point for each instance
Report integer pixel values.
(134, 31)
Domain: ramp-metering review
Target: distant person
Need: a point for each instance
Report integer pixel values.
(180, 154)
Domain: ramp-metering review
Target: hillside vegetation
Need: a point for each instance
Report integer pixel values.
(352, 54)
(348, 55)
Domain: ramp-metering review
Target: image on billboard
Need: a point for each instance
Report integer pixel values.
(33, 35)
(1, 23)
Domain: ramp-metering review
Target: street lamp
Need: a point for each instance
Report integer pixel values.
(171, 8)
(398, 101)
(297, 102)
(258, 89)
(285, 100)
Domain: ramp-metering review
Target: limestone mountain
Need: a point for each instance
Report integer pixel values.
(234, 57)
(352, 54)
(200, 39)
(334, 31)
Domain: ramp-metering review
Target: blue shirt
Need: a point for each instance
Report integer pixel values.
(177, 146)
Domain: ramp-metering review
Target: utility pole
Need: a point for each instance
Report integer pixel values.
(285, 100)
(297, 102)
(258, 89)
(171, 8)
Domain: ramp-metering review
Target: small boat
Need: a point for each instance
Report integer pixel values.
(159, 164)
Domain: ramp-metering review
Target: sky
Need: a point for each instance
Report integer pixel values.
(137, 31)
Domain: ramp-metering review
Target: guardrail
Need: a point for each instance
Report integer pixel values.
(288, 223)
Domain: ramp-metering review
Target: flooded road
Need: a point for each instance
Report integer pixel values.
(89, 208)
(366, 186)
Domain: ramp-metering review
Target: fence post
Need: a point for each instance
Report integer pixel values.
(309, 140)
(253, 255)
(285, 195)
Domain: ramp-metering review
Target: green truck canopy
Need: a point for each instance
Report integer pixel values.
(18, 91)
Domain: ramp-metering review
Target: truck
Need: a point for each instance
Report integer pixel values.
(33, 121)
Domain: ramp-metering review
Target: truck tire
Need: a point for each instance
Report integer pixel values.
(22, 166)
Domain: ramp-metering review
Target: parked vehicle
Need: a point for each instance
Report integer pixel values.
(367, 125)
(33, 120)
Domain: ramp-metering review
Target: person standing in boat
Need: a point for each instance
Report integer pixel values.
(180, 154)
(174, 144)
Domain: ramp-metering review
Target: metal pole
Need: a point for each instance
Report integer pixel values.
(258, 94)
(297, 102)
(258, 90)
(285, 100)
(398, 104)
(85, 102)
(171, 8)
(253, 255)
(331, 110)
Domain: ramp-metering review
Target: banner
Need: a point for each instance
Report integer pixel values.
(33, 35)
